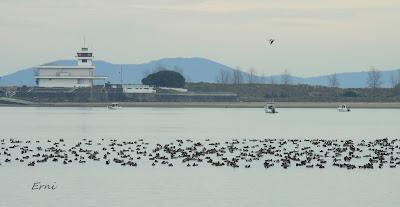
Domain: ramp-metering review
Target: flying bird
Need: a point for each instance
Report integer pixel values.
(271, 41)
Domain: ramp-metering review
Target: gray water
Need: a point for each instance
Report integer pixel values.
(217, 123)
(100, 185)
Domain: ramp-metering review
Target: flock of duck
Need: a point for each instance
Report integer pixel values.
(234, 153)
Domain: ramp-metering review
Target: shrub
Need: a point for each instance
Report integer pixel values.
(165, 78)
(350, 93)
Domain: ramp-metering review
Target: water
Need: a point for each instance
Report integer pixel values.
(217, 123)
(100, 185)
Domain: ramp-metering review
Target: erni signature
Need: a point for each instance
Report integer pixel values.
(39, 186)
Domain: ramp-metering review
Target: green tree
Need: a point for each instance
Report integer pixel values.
(165, 78)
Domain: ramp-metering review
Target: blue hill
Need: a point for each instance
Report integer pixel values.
(194, 70)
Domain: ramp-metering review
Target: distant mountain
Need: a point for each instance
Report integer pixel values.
(351, 79)
(19, 78)
(194, 69)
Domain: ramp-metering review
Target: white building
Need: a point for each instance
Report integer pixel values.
(130, 88)
(80, 75)
(182, 90)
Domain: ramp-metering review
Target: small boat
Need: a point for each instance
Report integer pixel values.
(114, 106)
(270, 108)
(343, 108)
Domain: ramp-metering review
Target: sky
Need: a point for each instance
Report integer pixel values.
(312, 37)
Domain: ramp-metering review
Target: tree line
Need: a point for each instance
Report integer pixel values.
(237, 76)
(252, 76)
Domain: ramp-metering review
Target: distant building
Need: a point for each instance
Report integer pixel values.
(80, 75)
(130, 88)
(182, 90)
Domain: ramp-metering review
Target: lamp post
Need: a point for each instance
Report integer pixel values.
(1, 91)
(120, 73)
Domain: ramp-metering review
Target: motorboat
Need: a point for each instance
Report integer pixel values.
(114, 106)
(270, 108)
(343, 108)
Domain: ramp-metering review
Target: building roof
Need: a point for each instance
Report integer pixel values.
(71, 77)
(61, 63)
(67, 67)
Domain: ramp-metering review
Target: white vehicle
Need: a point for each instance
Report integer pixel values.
(270, 108)
(114, 106)
(343, 108)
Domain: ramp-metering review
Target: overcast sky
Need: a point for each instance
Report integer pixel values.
(312, 36)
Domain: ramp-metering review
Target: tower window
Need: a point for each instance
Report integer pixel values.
(84, 61)
(84, 54)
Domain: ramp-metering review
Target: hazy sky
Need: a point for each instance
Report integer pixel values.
(312, 36)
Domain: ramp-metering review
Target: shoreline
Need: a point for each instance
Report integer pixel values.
(367, 105)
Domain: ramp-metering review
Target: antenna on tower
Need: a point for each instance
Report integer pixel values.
(121, 74)
(84, 41)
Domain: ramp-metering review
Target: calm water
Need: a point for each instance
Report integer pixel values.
(99, 185)
(172, 123)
